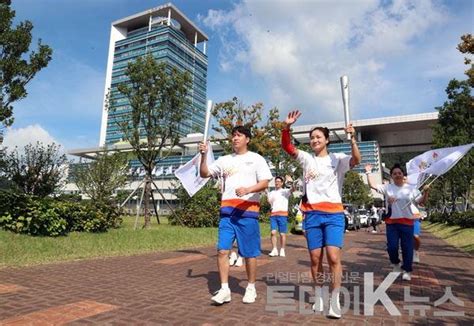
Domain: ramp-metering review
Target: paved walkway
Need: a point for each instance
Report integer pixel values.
(175, 287)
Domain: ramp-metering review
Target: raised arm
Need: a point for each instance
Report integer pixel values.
(370, 180)
(356, 158)
(286, 135)
(203, 170)
(424, 198)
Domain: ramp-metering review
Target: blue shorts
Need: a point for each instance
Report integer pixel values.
(279, 223)
(417, 227)
(324, 229)
(245, 230)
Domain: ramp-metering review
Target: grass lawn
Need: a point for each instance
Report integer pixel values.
(454, 235)
(23, 250)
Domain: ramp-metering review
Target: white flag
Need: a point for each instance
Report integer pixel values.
(189, 176)
(435, 162)
(169, 170)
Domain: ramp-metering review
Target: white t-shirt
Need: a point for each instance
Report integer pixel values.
(237, 171)
(279, 201)
(323, 178)
(402, 207)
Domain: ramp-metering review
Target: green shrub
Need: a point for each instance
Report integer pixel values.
(201, 210)
(35, 216)
(437, 217)
(88, 217)
(462, 219)
(265, 209)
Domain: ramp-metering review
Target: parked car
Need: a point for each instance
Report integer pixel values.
(363, 217)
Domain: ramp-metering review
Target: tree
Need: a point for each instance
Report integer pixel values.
(467, 46)
(15, 71)
(38, 170)
(454, 128)
(157, 97)
(265, 137)
(355, 191)
(102, 177)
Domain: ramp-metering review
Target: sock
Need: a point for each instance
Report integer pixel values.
(335, 294)
(225, 286)
(251, 286)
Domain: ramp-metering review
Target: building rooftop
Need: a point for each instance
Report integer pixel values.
(141, 19)
(372, 126)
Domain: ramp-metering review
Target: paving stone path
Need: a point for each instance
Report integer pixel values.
(174, 288)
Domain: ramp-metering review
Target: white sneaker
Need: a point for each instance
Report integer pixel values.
(232, 258)
(406, 276)
(250, 295)
(282, 252)
(239, 262)
(273, 253)
(416, 256)
(318, 305)
(221, 296)
(334, 308)
(374, 231)
(397, 268)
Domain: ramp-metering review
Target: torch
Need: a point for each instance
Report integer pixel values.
(208, 119)
(345, 101)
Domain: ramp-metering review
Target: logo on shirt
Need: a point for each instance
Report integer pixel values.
(311, 174)
(229, 171)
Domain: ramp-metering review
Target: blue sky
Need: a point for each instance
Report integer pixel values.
(399, 56)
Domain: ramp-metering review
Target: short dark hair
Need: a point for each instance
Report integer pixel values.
(279, 177)
(242, 130)
(397, 166)
(324, 130)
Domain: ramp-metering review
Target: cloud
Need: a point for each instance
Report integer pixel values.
(301, 48)
(21, 137)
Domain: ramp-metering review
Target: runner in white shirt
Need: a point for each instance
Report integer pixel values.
(324, 221)
(278, 198)
(399, 225)
(243, 175)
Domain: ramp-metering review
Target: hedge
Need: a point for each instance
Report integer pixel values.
(26, 214)
(462, 219)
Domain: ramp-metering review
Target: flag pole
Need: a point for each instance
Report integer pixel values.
(424, 181)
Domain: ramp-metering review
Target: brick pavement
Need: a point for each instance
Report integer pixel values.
(174, 288)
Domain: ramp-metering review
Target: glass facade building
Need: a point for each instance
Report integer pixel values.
(166, 34)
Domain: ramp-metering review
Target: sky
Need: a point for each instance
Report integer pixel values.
(399, 56)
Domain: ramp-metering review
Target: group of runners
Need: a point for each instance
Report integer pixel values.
(244, 175)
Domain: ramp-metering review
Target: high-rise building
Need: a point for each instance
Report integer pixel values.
(167, 34)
